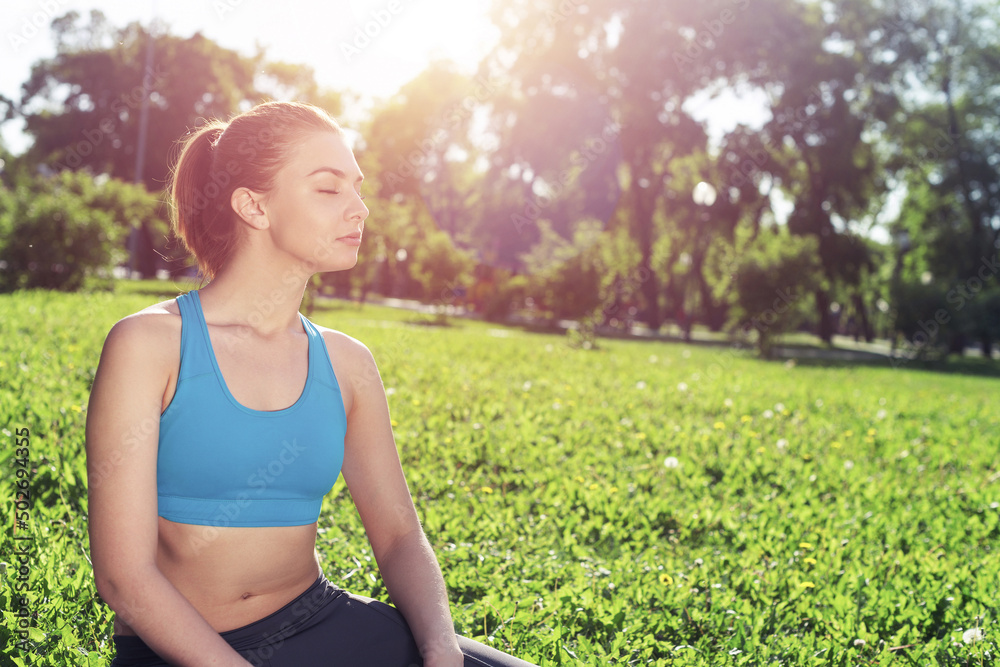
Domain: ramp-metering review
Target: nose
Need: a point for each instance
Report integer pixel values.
(359, 211)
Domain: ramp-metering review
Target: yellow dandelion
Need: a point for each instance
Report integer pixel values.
(760, 450)
(415, 401)
(754, 434)
(809, 561)
(872, 431)
(70, 366)
(848, 434)
(805, 545)
(594, 486)
(613, 489)
(718, 426)
(447, 440)
(579, 479)
(640, 436)
(467, 488)
(76, 408)
(807, 584)
(836, 444)
(666, 579)
(393, 422)
(487, 490)
(746, 418)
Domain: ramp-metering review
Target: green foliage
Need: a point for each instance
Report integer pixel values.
(503, 294)
(566, 276)
(932, 316)
(66, 231)
(775, 277)
(440, 268)
(645, 503)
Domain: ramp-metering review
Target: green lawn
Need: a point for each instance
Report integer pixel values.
(642, 503)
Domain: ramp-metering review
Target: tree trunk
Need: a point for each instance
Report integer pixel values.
(956, 344)
(644, 236)
(711, 311)
(824, 325)
(866, 325)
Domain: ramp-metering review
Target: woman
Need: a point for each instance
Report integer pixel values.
(218, 421)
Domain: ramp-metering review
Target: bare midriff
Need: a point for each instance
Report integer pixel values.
(234, 576)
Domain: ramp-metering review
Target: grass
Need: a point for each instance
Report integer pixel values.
(642, 503)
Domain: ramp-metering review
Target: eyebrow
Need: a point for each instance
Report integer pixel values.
(338, 173)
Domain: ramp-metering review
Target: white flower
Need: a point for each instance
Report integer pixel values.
(390, 391)
(557, 405)
(819, 404)
(781, 444)
(779, 407)
(682, 386)
(768, 414)
(881, 414)
(728, 402)
(527, 385)
(972, 635)
(848, 465)
(653, 358)
(671, 462)
(860, 642)
(640, 384)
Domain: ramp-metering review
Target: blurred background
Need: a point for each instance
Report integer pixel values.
(735, 169)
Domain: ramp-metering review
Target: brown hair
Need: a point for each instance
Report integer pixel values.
(219, 157)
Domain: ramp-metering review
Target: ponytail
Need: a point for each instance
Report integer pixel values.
(219, 157)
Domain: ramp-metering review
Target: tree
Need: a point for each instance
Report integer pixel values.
(63, 232)
(938, 61)
(774, 278)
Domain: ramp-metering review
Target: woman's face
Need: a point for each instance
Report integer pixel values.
(316, 202)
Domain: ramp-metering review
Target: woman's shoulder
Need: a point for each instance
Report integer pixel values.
(352, 361)
(338, 341)
(150, 327)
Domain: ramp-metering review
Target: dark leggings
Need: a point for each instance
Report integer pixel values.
(325, 626)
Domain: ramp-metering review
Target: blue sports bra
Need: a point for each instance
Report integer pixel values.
(220, 463)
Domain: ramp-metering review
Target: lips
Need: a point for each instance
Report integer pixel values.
(356, 236)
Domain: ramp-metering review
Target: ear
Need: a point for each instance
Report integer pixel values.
(247, 204)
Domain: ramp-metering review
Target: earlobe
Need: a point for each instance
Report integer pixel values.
(247, 204)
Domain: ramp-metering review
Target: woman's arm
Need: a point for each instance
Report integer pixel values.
(375, 479)
(122, 433)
